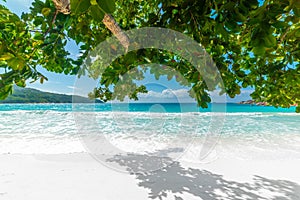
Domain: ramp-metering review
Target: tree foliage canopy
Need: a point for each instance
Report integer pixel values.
(253, 43)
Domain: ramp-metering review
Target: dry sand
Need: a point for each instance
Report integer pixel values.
(78, 176)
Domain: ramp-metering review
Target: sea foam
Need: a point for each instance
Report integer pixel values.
(242, 135)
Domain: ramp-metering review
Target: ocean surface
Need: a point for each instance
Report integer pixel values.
(240, 131)
(146, 107)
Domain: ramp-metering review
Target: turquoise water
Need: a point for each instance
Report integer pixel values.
(244, 130)
(146, 107)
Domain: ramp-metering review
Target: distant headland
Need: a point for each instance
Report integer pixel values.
(253, 102)
(29, 95)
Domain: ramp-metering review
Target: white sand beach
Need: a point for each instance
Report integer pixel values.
(78, 176)
(256, 157)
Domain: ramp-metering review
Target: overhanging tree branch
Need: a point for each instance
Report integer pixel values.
(64, 6)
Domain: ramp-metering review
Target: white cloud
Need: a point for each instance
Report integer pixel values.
(247, 91)
(245, 95)
(182, 96)
(216, 97)
(71, 87)
(167, 95)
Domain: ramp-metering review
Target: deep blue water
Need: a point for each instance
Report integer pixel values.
(146, 107)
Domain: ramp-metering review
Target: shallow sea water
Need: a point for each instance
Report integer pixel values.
(150, 129)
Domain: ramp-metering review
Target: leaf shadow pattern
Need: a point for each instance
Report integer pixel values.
(172, 181)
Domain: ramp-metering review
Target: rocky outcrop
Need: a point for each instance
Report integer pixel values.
(252, 102)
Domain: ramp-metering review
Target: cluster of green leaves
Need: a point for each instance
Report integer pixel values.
(29, 42)
(37, 39)
(15, 51)
(253, 43)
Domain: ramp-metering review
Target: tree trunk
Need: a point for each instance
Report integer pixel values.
(63, 6)
(113, 26)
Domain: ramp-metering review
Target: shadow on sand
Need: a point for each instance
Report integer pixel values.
(172, 181)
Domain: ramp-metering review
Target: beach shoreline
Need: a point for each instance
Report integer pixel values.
(49, 155)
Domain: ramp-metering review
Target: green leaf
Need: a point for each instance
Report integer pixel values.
(259, 50)
(46, 11)
(20, 83)
(280, 24)
(96, 13)
(219, 28)
(298, 109)
(93, 2)
(5, 91)
(42, 80)
(79, 6)
(16, 63)
(174, 11)
(109, 6)
(297, 33)
(270, 41)
(38, 36)
(6, 56)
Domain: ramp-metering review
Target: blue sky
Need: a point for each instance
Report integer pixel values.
(159, 91)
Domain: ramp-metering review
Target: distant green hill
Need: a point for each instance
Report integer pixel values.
(29, 95)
